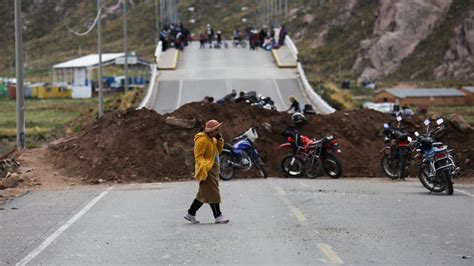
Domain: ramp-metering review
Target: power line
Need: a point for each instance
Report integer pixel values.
(111, 9)
(99, 13)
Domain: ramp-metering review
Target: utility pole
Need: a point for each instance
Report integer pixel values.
(99, 48)
(125, 43)
(20, 93)
(157, 25)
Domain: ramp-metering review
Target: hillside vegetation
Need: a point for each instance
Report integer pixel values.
(389, 41)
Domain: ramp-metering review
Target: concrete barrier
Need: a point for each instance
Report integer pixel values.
(313, 96)
(154, 77)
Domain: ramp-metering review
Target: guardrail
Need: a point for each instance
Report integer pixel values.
(291, 45)
(313, 96)
(154, 74)
(158, 51)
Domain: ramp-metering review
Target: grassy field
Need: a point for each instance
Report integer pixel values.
(42, 116)
(467, 111)
(44, 119)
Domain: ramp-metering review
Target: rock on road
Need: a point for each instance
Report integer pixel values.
(275, 220)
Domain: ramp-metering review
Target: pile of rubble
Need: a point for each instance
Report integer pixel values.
(144, 146)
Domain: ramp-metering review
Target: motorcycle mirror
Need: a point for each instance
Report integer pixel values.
(427, 122)
(399, 118)
(385, 125)
(417, 134)
(440, 121)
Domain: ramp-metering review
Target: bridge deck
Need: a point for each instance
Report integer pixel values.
(215, 72)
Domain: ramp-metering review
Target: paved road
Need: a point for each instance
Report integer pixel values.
(277, 221)
(215, 72)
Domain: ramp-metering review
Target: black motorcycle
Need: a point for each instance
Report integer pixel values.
(397, 153)
(437, 168)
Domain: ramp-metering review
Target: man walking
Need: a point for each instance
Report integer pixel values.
(208, 144)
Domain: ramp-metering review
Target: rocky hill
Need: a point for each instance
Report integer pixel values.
(395, 40)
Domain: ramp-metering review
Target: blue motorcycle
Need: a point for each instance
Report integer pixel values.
(437, 168)
(242, 155)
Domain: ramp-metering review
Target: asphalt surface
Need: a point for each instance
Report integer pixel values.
(216, 72)
(275, 221)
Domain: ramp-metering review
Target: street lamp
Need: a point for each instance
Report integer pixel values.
(20, 93)
(125, 44)
(99, 51)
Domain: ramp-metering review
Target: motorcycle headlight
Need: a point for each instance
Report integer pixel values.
(410, 139)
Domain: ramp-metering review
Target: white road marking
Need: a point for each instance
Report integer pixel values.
(327, 250)
(180, 93)
(280, 191)
(63, 228)
(299, 215)
(464, 192)
(277, 88)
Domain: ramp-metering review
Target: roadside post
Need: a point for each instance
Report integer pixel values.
(20, 93)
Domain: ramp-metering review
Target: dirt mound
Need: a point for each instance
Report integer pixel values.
(141, 146)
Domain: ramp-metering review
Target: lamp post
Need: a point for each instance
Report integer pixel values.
(125, 43)
(157, 25)
(99, 50)
(20, 93)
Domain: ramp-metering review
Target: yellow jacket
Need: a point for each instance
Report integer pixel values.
(205, 149)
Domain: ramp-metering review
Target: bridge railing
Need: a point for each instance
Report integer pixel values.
(313, 96)
(154, 75)
(291, 45)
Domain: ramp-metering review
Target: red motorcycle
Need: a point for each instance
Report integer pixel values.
(310, 156)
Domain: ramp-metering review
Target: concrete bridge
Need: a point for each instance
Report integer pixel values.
(189, 76)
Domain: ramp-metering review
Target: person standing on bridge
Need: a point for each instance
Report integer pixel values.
(294, 105)
(208, 144)
(210, 35)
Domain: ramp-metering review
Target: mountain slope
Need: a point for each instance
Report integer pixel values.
(393, 40)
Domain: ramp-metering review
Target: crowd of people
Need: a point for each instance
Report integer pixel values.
(178, 36)
(266, 39)
(263, 38)
(175, 35)
(215, 39)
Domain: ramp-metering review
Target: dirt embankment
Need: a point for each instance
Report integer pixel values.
(140, 146)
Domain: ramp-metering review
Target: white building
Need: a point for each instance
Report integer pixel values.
(77, 73)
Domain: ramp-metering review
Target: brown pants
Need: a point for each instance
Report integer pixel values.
(209, 188)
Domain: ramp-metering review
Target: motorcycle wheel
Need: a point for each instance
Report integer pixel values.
(388, 167)
(448, 182)
(291, 170)
(332, 166)
(226, 171)
(313, 169)
(426, 180)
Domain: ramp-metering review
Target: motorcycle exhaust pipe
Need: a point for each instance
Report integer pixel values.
(457, 172)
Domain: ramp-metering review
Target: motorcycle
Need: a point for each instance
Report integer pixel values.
(264, 102)
(311, 157)
(242, 155)
(437, 168)
(397, 153)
